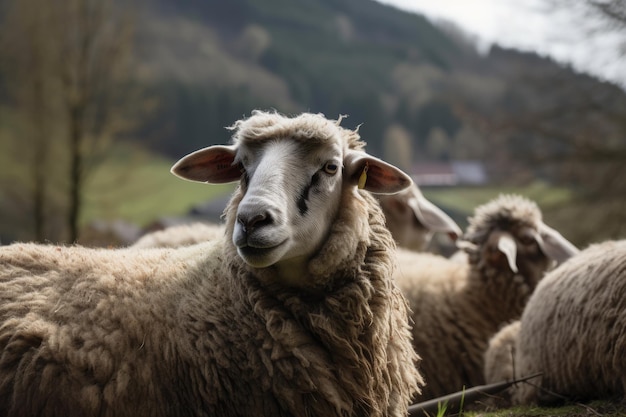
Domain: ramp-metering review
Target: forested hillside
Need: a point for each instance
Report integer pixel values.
(392, 71)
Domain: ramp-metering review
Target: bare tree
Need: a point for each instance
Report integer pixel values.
(94, 43)
(614, 10)
(74, 58)
(398, 148)
(26, 50)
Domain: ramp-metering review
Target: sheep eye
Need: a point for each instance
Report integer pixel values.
(331, 168)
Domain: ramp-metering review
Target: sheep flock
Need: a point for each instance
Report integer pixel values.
(315, 296)
(458, 306)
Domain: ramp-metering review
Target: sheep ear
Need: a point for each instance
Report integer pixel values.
(374, 175)
(432, 216)
(214, 165)
(554, 245)
(507, 245)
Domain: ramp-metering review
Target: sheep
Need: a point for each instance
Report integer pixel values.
(292, 313)
(412, 219)
(573, 330)
(458, 306)
(500, 364)
(181, 235)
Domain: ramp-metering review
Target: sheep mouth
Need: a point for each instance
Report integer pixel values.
(259, 256)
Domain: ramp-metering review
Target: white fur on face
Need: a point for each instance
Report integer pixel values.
(291, 198)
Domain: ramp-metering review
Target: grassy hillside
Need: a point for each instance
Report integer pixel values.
(461, 201)
(136, 185)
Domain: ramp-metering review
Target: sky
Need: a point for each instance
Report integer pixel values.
(566, 35)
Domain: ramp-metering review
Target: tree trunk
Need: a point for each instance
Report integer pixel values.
(76, 170)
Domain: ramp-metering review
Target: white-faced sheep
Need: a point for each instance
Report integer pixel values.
(413, 219)
(458, 306)
(573, 330)
(293, 313)
(181, 235)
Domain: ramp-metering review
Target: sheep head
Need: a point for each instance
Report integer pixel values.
(508, 233)
(412, 219)
(293, 173)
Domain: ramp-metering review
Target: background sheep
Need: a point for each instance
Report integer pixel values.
(574, 329)
(500, 363)
(458, 306)
(413, 219)
(181, 235)
(291, 314)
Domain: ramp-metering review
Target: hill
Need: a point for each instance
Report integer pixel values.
(215, 61)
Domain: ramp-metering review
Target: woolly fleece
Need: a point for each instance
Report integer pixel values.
(574, 329)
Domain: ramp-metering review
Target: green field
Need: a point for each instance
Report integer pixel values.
(465, 199)
(460, 202)
(137, 186)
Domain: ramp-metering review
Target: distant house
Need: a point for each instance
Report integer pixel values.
(441, 174)
(470, 172)
(434, 174)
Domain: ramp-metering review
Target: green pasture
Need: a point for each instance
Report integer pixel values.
(137, 186)
(467, 198)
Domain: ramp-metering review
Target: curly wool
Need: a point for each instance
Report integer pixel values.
(312, 128)
(194, 331)
(180, 235)
(574, 329)
(500, 363)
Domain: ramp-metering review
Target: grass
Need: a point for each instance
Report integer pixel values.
(136, 186)
(460, 202)
(465, 199)
(593, 409)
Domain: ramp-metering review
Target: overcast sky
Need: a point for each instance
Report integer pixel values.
(525, 24)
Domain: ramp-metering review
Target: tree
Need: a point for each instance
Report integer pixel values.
(468, 144)
(73, 57)
(253, 42)
(438, 144)
(398, 148)
(26, 52)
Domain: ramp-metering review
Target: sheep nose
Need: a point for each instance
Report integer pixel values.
(249, 222)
